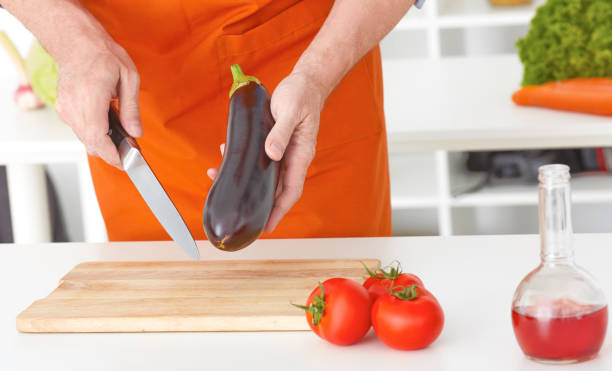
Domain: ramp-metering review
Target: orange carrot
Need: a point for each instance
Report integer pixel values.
(587, 95)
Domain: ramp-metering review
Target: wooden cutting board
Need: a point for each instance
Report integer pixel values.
(227, 295)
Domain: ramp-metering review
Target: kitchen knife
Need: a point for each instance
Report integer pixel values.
(149, 187)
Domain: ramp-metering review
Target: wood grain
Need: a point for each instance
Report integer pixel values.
(228, 295)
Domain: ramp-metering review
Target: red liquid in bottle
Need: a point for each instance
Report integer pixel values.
(560, 338)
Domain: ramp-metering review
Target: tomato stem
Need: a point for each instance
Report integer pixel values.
(405, 293)
(392, 273)
(316, 308)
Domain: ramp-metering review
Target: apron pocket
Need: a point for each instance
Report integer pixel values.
(259, 30)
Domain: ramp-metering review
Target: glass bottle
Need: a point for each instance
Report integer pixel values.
(559, 313)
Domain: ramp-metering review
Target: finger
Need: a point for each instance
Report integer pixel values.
(279, 186)
(222, 148)
(59, 109)
(129, 108)
(94, 121)
(293, 180)
(281, 206)
(212, 173)
(108, 152)
(279, 137)
(65, 111)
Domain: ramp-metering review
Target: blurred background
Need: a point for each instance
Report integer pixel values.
(436, 188)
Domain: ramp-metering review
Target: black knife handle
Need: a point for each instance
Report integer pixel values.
(115, 129)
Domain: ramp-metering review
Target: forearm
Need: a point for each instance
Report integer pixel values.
(59, 25)
(352, 28)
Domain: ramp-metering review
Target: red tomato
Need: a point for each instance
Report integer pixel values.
(341, 313)
(380, 281)
(408, 318)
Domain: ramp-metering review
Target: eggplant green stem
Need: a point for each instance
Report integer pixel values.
(13, 53)
(240, 79)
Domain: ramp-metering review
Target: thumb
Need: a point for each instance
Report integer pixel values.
(279, 138)
(129, 108)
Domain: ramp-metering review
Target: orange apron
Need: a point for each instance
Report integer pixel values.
(183, 50)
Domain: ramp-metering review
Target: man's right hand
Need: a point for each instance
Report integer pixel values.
(88, 80)
(93, 70)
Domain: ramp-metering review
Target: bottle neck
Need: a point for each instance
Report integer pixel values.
(556, 222)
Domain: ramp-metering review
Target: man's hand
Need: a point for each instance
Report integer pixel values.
(296, 107)
(93, 69)
(88, 79)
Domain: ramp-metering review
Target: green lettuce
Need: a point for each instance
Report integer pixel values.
(567, 39)
(42, 73)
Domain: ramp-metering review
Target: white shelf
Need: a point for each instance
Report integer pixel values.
(472, 13)
(588, 188)
(466, 21)
(468, 14)
(466, 8)
(483, 20)
(464, 103)
(413, 181)
(33, 137)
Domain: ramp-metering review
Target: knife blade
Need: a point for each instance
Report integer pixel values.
(149, 187)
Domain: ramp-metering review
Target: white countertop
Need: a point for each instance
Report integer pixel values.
(473, 278)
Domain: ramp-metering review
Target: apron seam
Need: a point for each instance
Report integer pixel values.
(267, 44)
(367, 59)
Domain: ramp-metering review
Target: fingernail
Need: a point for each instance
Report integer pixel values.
(212, 173)
(276, 151)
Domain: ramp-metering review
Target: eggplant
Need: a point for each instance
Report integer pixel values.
(240, 200)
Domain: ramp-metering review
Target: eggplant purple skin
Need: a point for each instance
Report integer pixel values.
(240, 200)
